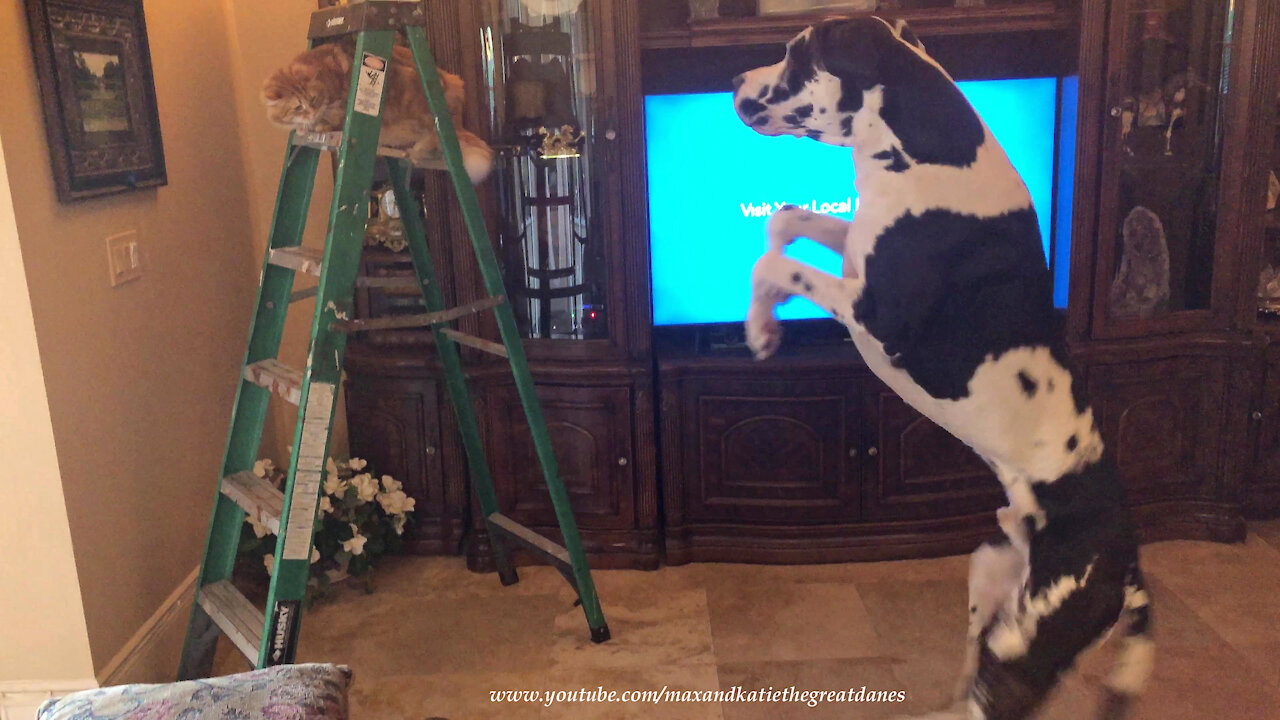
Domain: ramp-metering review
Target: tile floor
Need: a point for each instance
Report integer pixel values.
(434, 639)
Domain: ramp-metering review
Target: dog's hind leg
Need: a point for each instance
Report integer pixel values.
(791, 222)
(997, 570)
(777, 278)
(1134, 664)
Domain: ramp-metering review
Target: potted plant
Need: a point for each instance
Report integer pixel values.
(361, 517)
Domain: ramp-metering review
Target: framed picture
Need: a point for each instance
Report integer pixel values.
(94, 71)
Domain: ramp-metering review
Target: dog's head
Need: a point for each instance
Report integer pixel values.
(843, 82)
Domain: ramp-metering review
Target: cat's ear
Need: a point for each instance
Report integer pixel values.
(272, 92)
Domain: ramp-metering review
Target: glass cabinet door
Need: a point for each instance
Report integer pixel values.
(1268, 294)
(1162, 163)
(549, 119)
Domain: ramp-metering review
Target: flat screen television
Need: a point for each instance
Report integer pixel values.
(713, 182)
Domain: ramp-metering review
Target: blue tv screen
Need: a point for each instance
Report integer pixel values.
(713, 182)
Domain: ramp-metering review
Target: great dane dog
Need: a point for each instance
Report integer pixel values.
(947, 296)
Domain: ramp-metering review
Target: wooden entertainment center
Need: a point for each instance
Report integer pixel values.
(681, 448)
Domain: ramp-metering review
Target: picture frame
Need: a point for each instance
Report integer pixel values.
(93, 67)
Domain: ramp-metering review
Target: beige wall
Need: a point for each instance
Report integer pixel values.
(140, 378)
(42, 630)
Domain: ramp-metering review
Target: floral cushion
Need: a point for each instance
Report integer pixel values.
(284, 692)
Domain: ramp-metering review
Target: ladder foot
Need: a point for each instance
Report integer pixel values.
(508, 577)
(600, 634)
(201, 646)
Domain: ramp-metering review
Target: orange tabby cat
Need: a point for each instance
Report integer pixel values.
(310, 94)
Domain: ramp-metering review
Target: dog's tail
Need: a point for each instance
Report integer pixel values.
(1136, 660)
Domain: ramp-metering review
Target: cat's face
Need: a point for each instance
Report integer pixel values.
(309, 92)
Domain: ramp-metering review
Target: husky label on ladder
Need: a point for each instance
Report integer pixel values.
(373, 75)
(284, 631)
(309, 476)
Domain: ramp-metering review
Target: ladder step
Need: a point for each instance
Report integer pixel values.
(404, 282)
(276, 377)
(331, 141)
(303, 294)
(550, 551)
(478, 343)
(232, 612)
(419, 320)
(298, 259)
(257, 497)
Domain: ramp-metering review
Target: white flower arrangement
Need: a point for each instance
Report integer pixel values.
(359, 519)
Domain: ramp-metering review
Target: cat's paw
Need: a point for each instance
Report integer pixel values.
(420, 154)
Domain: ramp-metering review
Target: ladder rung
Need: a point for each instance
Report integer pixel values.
(276, 377)
(331, 141)
(530, 539)
(403, 282)
(419, 320)
(255, 496)
(392, 283)
(298, 259)
(232, 612)
(478, 343)
(304, 294)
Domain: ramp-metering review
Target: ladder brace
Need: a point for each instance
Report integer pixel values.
(419, 320)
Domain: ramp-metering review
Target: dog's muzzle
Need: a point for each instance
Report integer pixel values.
(748, 98)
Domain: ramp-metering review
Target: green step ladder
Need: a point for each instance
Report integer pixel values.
(271, 638)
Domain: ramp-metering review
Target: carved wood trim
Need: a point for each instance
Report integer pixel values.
(631, 154)
(1263, 95)
(645, 451)
(1091, 117)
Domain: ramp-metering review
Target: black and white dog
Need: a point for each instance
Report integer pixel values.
(947, 296)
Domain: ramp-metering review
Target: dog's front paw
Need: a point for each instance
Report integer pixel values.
(764, 332)
(1010, 521)
(781, 230)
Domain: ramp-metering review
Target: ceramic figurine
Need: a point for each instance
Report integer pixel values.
(1151, 108)
(1141, 287)
(1176, 89)
(1269, 283)
(704, 9)
(1128, 112)
(551, 7)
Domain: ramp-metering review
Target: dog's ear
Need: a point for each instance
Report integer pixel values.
(905, 32)
(850, 49)
(926, 111)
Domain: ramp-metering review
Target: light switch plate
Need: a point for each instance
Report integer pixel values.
(123, 258)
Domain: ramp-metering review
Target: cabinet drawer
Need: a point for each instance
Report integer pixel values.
(1163, 422)
(590, 430)
(919, 471)
(394, 423)
(770, 451)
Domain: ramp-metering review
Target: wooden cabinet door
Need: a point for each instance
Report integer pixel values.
(590, 430)
(917, 470)
(394, 423)
(1163, 421)
(770, 451)
(1264, 476)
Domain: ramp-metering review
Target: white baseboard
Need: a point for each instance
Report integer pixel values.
(20, 699)
(151, 654)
